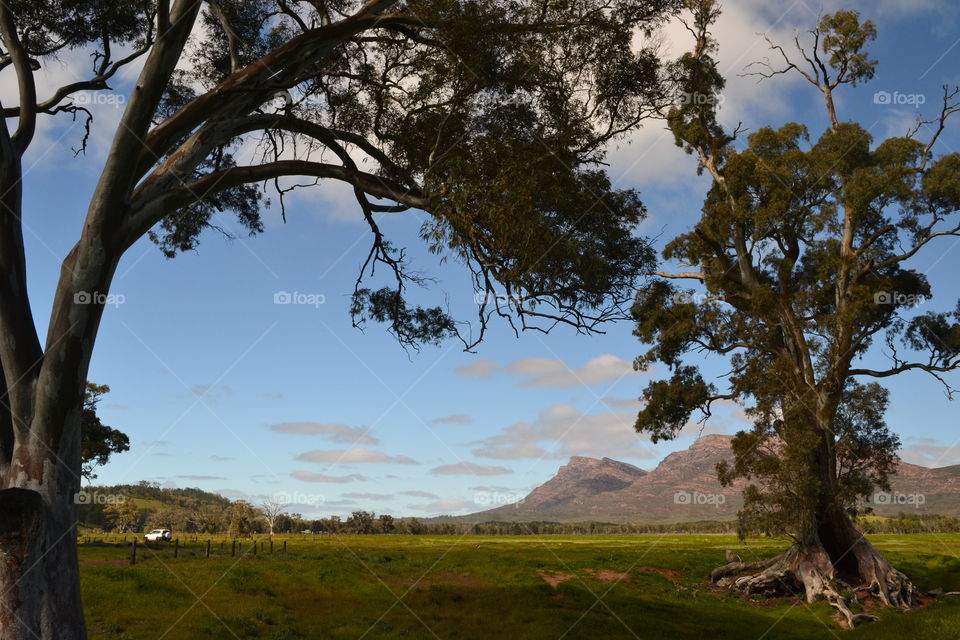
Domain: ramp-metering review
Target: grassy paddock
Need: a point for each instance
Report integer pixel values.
(449, 587)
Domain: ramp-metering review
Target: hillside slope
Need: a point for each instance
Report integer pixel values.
(684, 488)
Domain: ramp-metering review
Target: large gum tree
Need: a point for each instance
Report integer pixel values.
(491, 116)
(805, 255)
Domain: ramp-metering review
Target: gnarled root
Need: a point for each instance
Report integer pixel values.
(808, 569)
(883, 579)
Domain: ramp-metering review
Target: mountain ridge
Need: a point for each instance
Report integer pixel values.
(683, 487)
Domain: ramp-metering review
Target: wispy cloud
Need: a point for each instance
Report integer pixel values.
(550, 372)
(335, 431)
(478, 368)
(353, 455)
(561, 431)
(469, 468)
(419, 494)
(445, 506)
(457, 418)
(309, 476)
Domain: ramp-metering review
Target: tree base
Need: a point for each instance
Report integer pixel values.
(808, 569)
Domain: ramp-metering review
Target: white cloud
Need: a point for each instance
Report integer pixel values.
(335, 431)
(623, 403)
(550, 372)
(928, 452)
(419, 494)
(561, 431)
(445, 506)
(490, 488)
(469, 468)
(457, 418)
(309, 476)
(353, 455)
(478, 368)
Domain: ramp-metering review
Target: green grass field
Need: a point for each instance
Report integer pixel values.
(650, 586)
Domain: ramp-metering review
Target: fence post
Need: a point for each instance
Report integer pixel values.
(133, 553)
(254, 547)
(233, 548)
(284, 546)
(271, 546)
(208, 548)
(176, 548)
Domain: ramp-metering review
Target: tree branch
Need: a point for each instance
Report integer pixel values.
(25, 80)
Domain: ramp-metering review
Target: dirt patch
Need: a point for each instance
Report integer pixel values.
(608, 576)
(670, 574)
(450, 579)
(555, 578)
(94, 563)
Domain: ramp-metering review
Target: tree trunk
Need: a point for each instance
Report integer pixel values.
(39, 573)
(830, 558)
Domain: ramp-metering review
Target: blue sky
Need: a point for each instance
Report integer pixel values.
(221, 388)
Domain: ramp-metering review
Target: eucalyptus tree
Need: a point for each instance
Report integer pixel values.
(98, 442)
(490, 116)
(805, 255)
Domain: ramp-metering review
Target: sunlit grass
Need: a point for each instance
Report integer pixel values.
(415, 587)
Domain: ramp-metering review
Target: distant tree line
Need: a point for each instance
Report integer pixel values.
(911, 523)
(145, 506)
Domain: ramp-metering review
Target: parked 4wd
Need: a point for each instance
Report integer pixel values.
(158, 535)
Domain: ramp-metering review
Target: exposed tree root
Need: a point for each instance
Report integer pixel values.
(809, 570)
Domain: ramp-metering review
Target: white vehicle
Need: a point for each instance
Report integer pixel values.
(159, 535)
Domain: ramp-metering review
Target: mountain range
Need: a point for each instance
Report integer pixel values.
(684, 488)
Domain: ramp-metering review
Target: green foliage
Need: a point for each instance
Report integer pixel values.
(802, 254)
(98, 441)
(502, 138)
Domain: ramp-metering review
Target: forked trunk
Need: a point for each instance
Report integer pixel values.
(39, 576)
(39, 572)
